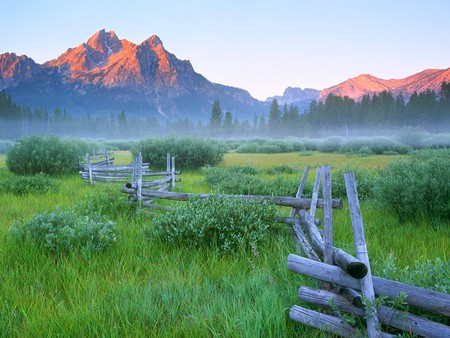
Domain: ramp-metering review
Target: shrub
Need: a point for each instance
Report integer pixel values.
(189, 152)
(429, 274)
(47, 154)
(281, 169)
(248, 148)
(107, 201)
(228, 224)
(331, 144)
(63, 231)
(365, 178)
(244, 181)
(418, 186)
(23, 185)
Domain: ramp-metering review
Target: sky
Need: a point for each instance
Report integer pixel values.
(257, 45)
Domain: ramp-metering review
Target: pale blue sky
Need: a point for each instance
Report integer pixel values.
(261, 46)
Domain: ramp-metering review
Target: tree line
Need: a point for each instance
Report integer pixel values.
(373, 114)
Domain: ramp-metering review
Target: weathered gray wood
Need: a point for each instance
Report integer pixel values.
(327, 215)
(168, 162)
(152, 183)
(300, 189)
(173, 172)
(425, 299)
(352, 296)
(278, 200)
(362, 253)
(121, 168)
(398, 319)
(315, 194)
(88, 163)
(347, 262)
(139, 178)
(322, 321)
(303, 241)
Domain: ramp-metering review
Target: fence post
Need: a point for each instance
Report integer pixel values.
(362, 254)
(315, 194)
(139, 178)
(168, 164)
(327, 215)
(173, 172)
(88, 163)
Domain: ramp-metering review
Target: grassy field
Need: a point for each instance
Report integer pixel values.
(143, 288)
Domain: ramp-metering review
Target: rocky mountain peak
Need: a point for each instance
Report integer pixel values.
(105, 42)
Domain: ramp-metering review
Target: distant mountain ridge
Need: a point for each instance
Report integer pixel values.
(106, 74)
(296, 96)
(366, 84)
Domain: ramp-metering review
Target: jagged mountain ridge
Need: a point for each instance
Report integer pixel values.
(107, 75)
(296, 96)
(366, 84)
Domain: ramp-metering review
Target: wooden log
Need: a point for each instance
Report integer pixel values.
(352, 296)
(300, 189)
(278, 200)
(399, 319)
(303, 241)
(106, 178)
(173, 173)
(315, 194)
(121, 168)
(322, 321)
(362, 253)
(327, 216)
(421, 298)
(347, 262)
(148, 184)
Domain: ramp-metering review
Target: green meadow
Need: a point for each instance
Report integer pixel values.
(142, 287)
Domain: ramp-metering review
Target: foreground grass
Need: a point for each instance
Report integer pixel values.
(141, 287)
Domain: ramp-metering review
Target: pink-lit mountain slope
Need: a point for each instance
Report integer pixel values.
(361, 85)
(107, 75)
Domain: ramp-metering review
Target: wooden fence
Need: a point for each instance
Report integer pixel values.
(135, 176)
(341, 275)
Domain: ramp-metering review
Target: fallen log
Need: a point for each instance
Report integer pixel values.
(293, 202)
(353, 266)
(322, 321)
(388, 316)
(425, 299)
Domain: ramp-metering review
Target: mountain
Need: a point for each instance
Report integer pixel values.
(296, 96)
(367, 84)
(107, 75)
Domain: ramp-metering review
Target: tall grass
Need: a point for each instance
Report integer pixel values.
(142, 287)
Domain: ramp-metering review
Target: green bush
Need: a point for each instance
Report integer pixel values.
(268, 146)
(228, 224)
(248, 148)
(417, 186)
(64, 231)
(433, 275)
(189, 152)
(42, 154)
(23, 185)
(244, 181)
(377, 145)
(107, 201)
(365, 180)
(330, 144)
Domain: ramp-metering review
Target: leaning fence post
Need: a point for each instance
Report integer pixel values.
(327, 215)
(168, 164)
(315, 194)
(362, 254)
(173, 173)
(88, 163)
(139, 178)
